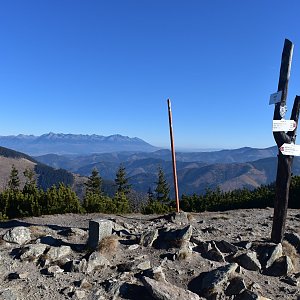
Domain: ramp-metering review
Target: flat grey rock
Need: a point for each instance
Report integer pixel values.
(163, 290)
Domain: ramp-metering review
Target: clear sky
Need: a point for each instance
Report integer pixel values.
(107, 67)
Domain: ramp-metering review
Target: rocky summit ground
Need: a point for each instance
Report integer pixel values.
(211, 255)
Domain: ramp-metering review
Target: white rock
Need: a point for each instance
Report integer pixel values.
(133, 247)
(56, 253)
(96, 260)
(18, 235)
(276, 252)
(53, 270)
(33, 251)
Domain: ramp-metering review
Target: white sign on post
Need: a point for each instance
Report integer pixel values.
(284, 125)
(275, 98)
(290, 149)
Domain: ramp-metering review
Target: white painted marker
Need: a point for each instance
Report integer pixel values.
(284, 125)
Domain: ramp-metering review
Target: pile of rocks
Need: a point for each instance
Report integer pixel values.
(169, 257)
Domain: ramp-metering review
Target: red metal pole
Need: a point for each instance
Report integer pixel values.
(173, 156)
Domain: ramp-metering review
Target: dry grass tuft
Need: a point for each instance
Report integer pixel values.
(190, 217)
(183, 254)
(290, 251)
(37, 231)
(108, 246)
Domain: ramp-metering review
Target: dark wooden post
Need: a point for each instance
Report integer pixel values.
(173, 156)
(284, 166)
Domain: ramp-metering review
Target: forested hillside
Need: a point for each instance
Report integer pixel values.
(46, 176)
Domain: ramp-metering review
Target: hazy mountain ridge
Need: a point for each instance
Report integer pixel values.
(228, 169)
(75, 144)
(256, 167)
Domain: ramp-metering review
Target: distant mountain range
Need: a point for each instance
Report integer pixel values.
(73, 144)
(228, 169)
(79, 154)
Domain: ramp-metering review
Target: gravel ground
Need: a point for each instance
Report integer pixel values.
(251, 225)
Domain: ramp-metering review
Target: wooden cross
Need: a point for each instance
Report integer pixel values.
(284, 166)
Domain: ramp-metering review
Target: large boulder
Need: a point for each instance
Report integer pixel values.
(163, 290)
(275, 253)
(56, 253)
(148, 237)
(180, 218)
(33, 251)
(173, 238)
(236, 286)
(213, 281)
(249, 261)
(96, 261)
(281, 266)
(214, 253)
(18, 235)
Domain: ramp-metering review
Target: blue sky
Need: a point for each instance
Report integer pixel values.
(107, 67)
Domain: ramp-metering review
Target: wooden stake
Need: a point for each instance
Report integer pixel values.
(284, 166)
(173, 156)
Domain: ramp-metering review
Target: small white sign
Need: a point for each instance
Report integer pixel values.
(290, 149)
(275, 98)
(284, 125)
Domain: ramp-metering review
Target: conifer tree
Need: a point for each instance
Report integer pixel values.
(92, 201)
(162, 188)
(121, 202)
(30, 186)
(32, 196)
(14, 181)
(122, 181)
(94, 183)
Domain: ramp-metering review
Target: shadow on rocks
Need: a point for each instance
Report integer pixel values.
(14, 223)
(134, 292)
(195, 284)
(16, 252)
(51, 241)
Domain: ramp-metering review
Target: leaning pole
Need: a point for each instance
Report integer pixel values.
(173, 156)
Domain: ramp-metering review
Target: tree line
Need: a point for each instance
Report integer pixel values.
(34, 201)
(31, 200)
(261, 197)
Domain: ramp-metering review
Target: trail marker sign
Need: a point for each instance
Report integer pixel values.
(284, 125)
(275, 98)
(290, 149)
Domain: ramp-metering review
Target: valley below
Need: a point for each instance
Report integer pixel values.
(227, 169)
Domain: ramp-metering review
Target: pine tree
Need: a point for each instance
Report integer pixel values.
(92, 201)
(94, 183)
(68, 201)
(162, 188)
(121, 202)
(30, 186)
(122, 181)
(14, 181)
(31, 194)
